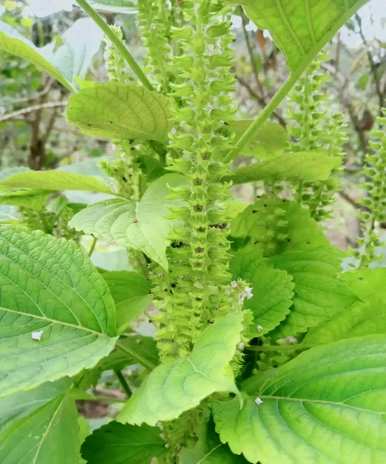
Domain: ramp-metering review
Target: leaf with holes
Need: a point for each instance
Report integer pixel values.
(179, 385)
(57, 316)
(116, 443)
(326, 406)
(40, 426)
(119, 112)
(145, 226)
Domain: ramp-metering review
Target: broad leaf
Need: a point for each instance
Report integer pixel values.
(57, 316)
(24, 198)
(319, 292)
(301, 28)
(40, 426)
(179, 385)
(300, 166)
(116, 443)
(365, 317)
(326, 406)
(54, 180)
(119, 112)
(64, 63)
(131, 293)
(145, 226)
(272, 290)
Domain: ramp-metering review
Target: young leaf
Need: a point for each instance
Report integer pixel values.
(57, 316)
(64, 63)
(272, 290)
(131, 293)
(301, 28)
(301, 166)
(119, 112)
(327, 405)
(54, 180)
(179, 385)
(145, 226)
(116, 443)
(40, 426)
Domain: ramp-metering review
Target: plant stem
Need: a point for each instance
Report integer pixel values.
(265, 114)
(121, 47)
(123, 382)
(92, 247)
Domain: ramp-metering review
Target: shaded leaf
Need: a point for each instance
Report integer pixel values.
(119, 111)
(327, 399)
(131, 293)
(57, 316)
(40, 426)
(116, 443)
(179, 385)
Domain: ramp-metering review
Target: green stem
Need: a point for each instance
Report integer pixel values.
(92, 247)
(123, 382)
(252, 130)
(99, 21)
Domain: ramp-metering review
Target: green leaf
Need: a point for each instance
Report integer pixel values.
(119, 111)
(115, 6)
(325, 406)
(144, 227)
(301, 28)
(272, 291)
(54, 180)
(319, 292)
(301, 166)
(64, 63)
(40, 426)
(134, 349)
(24, 198)
(271, 138)
(116, 443)
(57, 316)
(179, 385)
(365, 317)
(131, 293)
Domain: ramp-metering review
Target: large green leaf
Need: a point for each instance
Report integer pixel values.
(116, 443)
(301, 28)
(272, 290)
(365, 317)
(57, 316)
(54, 180)
(319, 292)
(326, 406)
(64, 63)
(40, 426)
(131, 293)
(119, 111)
(145, 226)
(301, 166)
(179, 385)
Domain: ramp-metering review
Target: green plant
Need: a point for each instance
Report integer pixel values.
(264, 349)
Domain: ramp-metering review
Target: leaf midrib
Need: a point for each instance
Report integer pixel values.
(322, 402)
